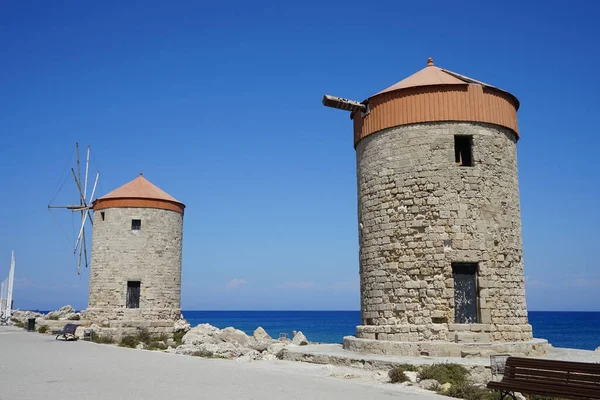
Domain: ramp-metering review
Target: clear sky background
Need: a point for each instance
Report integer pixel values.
(219, 104)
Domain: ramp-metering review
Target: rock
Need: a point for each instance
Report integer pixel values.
(411, 375)
(71, 317)
(519, 396)
(299, 339)
(479, 375)
(181, 325)
(203, 333)
(429, 384)
(23, 315)
(206, 340)
(62, 313)
(249, 356)
(141, 346)
(80, 331)
(170, 342)
(232, 335)
(186, 349)
(259, 345)
(445, 387)
(597, 348)
(261, 334)
(276, 348)
(222, 349)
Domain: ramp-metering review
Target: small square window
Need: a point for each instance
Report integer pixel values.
(463, 150)
(136, 224)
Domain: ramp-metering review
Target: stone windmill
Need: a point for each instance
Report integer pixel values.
(135, 270)
(439, 224)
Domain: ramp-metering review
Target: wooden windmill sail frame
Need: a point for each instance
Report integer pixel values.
(83, 207)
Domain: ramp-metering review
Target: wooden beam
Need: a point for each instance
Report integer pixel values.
(343, 104)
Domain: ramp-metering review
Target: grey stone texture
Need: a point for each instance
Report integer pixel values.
(151, 255)
(419, 212)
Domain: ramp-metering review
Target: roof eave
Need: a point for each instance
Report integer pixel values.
(136, 198)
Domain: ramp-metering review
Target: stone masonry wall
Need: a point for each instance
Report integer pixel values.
(151, 255)
(418, 212)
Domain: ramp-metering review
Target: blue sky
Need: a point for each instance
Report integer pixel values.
(220, 105)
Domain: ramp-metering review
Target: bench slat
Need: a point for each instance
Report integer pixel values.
(549, 390)
(582, 385)
(554, 365)
(529, 373)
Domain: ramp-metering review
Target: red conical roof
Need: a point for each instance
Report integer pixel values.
(432, 75)
(140, 192)
(139, 188)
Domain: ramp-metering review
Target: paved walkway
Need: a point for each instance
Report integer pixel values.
(34, 366)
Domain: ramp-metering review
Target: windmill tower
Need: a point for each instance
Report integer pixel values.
(135, 270)
(135, 262)
(439, 224)
(83, 208)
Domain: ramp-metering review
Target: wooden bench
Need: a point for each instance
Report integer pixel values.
(68, 332)
(563, 379)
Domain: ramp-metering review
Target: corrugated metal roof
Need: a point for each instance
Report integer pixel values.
(139, 188)
(468, 102)
(435, 94)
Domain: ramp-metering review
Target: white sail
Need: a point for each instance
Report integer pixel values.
(3, 297)
(6, 291)
(11, 282)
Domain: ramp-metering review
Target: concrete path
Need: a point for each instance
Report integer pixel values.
(35, 366)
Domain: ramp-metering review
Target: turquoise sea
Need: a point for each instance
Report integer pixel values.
(579, 330)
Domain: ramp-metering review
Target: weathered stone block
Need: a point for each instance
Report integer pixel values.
(463, 337)
(459, 327)
(481, 337)
(481, 327)
(486, 316)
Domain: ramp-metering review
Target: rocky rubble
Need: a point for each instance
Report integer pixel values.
(206, 340)
(181, 325)
(23, 316)
(64, 314)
